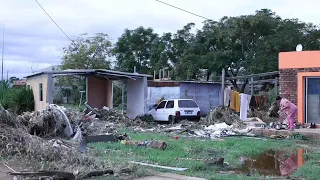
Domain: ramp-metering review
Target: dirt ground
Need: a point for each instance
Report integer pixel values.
(3, 172)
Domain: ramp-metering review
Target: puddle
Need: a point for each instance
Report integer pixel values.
(272, 163)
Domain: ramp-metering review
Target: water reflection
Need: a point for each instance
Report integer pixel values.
(273, 163)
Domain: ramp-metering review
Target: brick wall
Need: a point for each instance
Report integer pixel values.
(288, 82)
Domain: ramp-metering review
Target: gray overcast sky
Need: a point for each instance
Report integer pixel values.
(33, 40)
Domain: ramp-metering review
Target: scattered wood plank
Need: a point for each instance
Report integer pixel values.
(157, 166)
(97, 173)
(57, 174)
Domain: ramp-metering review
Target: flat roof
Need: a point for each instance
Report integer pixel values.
(99, 72)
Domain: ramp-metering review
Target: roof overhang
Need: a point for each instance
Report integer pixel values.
(108, 74)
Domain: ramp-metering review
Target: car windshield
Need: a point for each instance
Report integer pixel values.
(187, 104)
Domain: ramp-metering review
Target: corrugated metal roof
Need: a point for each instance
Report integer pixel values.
(90, 71)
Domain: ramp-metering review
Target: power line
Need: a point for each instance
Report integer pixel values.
(54, 21)
(183, 10)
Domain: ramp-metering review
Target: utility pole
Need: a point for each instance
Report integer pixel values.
(2, 53)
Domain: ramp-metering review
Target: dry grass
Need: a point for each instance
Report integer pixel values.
(15, 142)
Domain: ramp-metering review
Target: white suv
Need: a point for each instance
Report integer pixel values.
(174, 109)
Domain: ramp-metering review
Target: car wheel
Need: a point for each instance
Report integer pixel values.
(198, 119)
(171, 120)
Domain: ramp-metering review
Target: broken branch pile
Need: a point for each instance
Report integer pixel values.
(222, 114)
(50, 122)
(16, 141)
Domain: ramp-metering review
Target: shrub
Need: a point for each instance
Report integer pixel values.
(17, 100)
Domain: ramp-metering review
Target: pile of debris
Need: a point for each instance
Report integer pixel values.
(50, 122)
(219, 122)
(222, 114)
(26, 136)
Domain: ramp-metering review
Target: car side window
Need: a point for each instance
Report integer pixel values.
(170, 104)
(161, 105)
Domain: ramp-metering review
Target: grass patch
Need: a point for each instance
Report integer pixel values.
(177, 151)
(310, 170)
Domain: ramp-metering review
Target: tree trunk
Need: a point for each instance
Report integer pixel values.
(244, 86)
(208, 75)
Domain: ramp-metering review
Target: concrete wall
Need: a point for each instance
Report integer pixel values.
(155, 94)
(137, 92)
(206, 95)
(100, 92)
(34, 83)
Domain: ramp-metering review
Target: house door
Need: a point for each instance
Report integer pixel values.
(312, 100)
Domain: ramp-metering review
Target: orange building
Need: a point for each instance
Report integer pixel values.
(300, 83)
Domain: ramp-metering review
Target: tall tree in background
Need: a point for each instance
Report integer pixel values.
(241, 45)
(134, 48)
(88, 53)
(84, 52)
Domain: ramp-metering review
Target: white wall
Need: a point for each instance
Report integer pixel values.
(155, 93)
(137, 92)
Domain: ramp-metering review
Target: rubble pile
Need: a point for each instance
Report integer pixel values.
(58, 155)
(116, 117)
(222, 114)
(218, 123)
(50, 122)
(263, 115)
(7, 118)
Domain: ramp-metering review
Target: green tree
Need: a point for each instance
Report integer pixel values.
(13, 79)
(181, 55)
(88, 53)
(134, 48)
(85, 52)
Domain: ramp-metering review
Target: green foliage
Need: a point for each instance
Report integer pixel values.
(17, 100)
(84, 53)
(117, 94)
(88, 53)
(298, 136)
(310, 170)
(241, 45)
(134, 48)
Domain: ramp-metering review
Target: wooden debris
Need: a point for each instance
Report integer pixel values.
(98, 173)
(162, 167)
(55, 174)
(156, 144)
(7, 166)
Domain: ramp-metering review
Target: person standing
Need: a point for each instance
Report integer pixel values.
(289, 109)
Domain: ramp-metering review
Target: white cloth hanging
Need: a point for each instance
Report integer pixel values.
(248, 101)
(227, 94)
(243, 106)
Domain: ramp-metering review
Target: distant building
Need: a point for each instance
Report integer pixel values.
(19, 83)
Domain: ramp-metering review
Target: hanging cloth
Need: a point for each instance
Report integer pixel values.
(237, 102)
(243, 106)
(227, 94)
(233, 100)
(252, 103)
(248, 101)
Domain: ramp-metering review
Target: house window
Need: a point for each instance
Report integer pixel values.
(41, 92)
(161, 105)
(170, 104)
(312, 98)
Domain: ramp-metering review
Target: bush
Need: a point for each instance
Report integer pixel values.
(17, 100)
